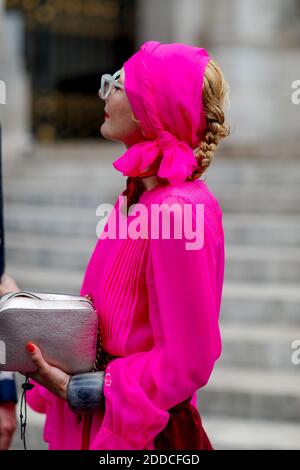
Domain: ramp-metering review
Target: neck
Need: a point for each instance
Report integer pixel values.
(150, 182)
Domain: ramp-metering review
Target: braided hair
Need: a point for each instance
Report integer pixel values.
(215, 95)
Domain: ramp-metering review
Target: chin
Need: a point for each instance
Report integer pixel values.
(105, 132)
(107, 135)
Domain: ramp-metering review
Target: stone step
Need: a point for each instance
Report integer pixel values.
(45, 252)
(51, 220)
(46, 280)
(252, 393)
(85, 156)
(241, 303)
(262, 229)
(62, 196)
(239, 204)
(246, 263)
(252, 398)
(74, 171)
(58, 192)
(254, 303)
(248, 229)
(61, 177)
(262, 263)
(79, 157)
(227, 433)
(68, 173)
(264, 346)
(245, 173)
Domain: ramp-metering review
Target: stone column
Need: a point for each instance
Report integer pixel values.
(154, 20)
(15, 113)
(169, 20)
(256, 43)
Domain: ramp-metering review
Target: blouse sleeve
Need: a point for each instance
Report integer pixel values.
(184, 288)
(36, 397)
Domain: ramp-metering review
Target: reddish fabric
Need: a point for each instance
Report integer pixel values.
(86, 432)
(184, 430)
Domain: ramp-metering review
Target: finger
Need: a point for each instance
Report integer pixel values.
(36, 356)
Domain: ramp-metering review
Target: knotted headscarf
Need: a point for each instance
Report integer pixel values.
(163, 83)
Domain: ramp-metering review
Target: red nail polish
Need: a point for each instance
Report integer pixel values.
(30, 347)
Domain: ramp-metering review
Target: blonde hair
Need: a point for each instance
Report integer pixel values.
(215, 97)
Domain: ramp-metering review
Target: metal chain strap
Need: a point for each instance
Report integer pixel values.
(102, 357)
(99, 359)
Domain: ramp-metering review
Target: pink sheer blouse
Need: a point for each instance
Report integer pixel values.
(158, 304)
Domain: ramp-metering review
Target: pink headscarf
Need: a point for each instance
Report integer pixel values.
(163, 83)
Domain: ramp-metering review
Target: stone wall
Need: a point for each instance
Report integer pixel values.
(15, 113)
(256, 42)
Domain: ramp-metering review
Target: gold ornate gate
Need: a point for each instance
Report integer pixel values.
(68, 44)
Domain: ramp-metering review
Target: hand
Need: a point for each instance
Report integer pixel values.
(8, 423)
(50, 377)
(8, 284)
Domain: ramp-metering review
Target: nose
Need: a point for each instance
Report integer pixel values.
(105, 99)
(99, 95)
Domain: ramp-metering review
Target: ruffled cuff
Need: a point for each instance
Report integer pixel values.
(108, 440)
(35, 398)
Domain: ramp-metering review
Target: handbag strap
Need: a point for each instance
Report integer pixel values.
(31, 295)
(44, 296)
(23, 407)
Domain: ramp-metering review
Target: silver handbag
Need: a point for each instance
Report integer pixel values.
(64, 327)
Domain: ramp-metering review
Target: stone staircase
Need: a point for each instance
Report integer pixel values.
(252, 400)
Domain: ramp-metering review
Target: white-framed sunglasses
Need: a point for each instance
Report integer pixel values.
(107, 81)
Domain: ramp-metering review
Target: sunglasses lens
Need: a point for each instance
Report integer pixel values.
(106, 85)
(105, 89)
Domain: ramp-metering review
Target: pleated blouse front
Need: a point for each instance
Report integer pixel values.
(158, 305)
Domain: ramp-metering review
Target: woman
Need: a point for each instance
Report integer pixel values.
(158, 301)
